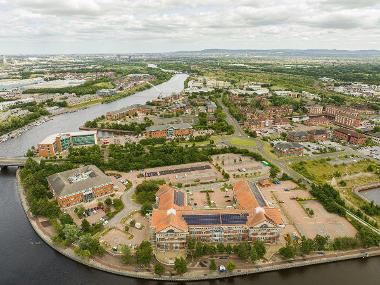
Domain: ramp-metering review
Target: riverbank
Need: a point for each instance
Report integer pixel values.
(197, 275)
(82, 106)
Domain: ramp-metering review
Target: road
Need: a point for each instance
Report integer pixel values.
(129, 207)
(283, 164)
(260, 148)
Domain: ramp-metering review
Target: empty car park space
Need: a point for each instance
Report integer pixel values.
(186, 174)
(238, 165)
(321, 222)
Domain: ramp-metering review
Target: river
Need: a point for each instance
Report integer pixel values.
(25, 259)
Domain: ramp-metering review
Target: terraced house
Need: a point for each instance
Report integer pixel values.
(174, 221)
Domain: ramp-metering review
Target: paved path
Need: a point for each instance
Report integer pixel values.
(129, 207)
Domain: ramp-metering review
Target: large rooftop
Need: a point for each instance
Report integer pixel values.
(77, 180)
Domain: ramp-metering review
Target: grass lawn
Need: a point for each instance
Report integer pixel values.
(351, 196)
(322, 171)
(242, 141)
(85, 104)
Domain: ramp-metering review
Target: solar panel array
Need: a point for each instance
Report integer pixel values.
(177, 170)
(259, 198)
(179, 198)
(216, 219)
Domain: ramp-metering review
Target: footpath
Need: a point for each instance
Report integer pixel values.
(192, 275)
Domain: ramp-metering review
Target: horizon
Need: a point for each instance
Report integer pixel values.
(357, 51)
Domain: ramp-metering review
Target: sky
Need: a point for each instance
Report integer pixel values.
(125, 26)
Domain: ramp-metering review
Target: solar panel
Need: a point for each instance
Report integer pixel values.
(234, 219)
(259, 198)
(179, 198)
(202, 219)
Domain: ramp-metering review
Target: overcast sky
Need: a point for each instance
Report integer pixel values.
(117, 26)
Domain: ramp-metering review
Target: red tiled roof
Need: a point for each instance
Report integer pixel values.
(244, 196)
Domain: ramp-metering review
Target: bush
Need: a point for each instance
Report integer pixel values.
(212, 266)
(159, 269)
(180, 265)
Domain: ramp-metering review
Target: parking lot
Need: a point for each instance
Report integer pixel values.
(118, 236)
(322, 222)
(371, 151)
(240, 166)
(185, 174)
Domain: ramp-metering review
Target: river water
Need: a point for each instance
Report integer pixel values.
(25, 259)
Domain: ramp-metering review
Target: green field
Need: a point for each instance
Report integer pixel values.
(241, 141)
(322, 171)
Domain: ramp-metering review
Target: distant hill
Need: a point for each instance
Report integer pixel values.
(283, 53)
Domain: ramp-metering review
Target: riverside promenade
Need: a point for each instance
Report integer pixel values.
(191, 275)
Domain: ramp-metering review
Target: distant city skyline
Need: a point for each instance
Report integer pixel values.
(115, 26)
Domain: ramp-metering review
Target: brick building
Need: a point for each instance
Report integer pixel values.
(306, 136)
(79, 185)
(129, 111)
(169, 131)
(347, 121)
(58, 143)
(314, 110)
(318, 121)
(289, 148)
(349, 136)
(174, 221)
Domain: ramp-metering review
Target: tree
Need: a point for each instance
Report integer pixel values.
(146, 208)
(220, 247)
(260, 248)
(230, 266)
(86, 227)
(159, 269)
(180, 265)
(65, 218)
(87, 242)
(229, 249)
(320, 242)
(108, 202)
(212, 266)
(287, 252)
(144, 253)
(243, 250)
(70, 233)
(127, 254)
(307, 245)
(253, 256)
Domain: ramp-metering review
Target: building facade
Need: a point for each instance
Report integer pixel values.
(173, 221)
(58, 143)
(349, 136)
(169, 131)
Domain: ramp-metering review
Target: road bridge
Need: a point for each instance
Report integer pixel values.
(17, 161)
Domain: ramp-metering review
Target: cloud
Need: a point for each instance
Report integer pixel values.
(173, 24)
